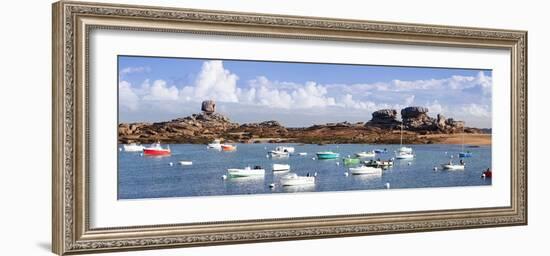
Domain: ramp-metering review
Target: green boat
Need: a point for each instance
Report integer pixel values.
(351, 160)
(327, 155)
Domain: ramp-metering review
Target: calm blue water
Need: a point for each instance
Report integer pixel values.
(153, 177)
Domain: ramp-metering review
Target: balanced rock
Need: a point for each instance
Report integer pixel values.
(416, 118)
(208, 106)
(384, 118)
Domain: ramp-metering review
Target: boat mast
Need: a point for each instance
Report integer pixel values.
(401, 142)
(462, 139)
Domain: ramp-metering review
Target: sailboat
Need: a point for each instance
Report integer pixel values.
(404, 152)
(464, 153)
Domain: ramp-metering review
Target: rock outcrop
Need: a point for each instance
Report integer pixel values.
(384, 118)
(208, 106)
(416, 119)
(209, 125)
(196, 128)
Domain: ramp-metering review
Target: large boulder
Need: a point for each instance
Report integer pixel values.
(384, 118)
(413, 112)
(208, 106)
(416, 118)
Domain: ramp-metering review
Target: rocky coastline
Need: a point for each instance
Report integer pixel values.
(382, 128)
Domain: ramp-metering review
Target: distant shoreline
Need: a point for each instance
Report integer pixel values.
(450, 139)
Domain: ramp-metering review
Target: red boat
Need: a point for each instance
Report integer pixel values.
(156, 150)
(487, 174)
(228, 147)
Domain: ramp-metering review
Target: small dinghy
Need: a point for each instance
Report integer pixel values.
(186, 163)
(379, 163)
(365, 170)
(215, 145)
(302, 154)
(450, 166)
(246, 172)
(281, 167)
(327, 155)
(292, 179)
(365, 154)
(351, 160)
(228, 147)
(278, 153)
(133, 147)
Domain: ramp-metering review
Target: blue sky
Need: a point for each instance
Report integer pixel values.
(296, 94)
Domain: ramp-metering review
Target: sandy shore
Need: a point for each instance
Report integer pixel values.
(470, 139)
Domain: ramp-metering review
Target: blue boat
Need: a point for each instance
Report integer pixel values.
(380, 151)
(465, 154)
(327, 155)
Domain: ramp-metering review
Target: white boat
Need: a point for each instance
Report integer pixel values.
(216, 144)
(405, 149)
(404, 155)
(246, 172)
(402, 148)
(302, 153)
(451, 166)
(366, 154)
(133, 147)
(292, 179)
(186, 163)
(281, 167)
(285, 149)
(278, 153)
(365, 170)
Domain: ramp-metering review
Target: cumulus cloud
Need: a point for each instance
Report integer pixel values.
(160, 91)
(126, 96)
(476, 110)
(217, 83)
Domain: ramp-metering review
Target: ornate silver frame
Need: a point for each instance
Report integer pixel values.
(72, 22)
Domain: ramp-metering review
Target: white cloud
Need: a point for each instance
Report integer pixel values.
(476, 110)
(160, 91)
(131, 70)
(126, 96)
(217, 83)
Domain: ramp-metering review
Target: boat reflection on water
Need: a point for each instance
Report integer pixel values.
(299, 188)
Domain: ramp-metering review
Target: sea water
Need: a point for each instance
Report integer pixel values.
(142, 176)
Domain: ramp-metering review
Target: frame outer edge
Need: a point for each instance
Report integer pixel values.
(57, 130)
(67, 240)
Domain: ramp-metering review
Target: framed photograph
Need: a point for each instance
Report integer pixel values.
(179, 127)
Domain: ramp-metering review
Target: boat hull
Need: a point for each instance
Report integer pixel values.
(278, 154)
(365, 154)
(228, 147)
(281, 167)
(404, 156)
(133, 148)
(350, 161)
(465, 154)
(327, 155)
(245, 172)
(365, 170)
(452, 167)
(156, 152)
